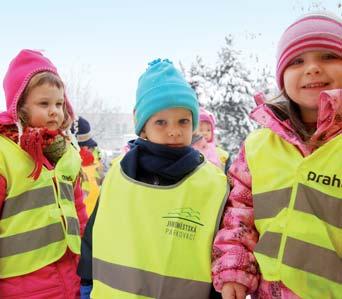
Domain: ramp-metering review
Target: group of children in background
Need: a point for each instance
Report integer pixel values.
(166, 224)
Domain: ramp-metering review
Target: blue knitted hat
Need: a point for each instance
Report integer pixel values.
(162, 87)
(81, 128)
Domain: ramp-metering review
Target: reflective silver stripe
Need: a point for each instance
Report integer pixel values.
(73, 226)
(314, 259)
(31, 240)
(221, 211)
(322, 205)
(147, 283)
(67, 191)
(27, 201)
(269, 244)
(269, 204)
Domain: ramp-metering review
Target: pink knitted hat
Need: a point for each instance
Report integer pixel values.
(312, 32)
(207, 116)
(20, 71)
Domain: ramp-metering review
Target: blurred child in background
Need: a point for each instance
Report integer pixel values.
(204, 140)
(92, 167)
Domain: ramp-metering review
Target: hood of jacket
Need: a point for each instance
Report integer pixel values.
(329, 120)
(20, 71)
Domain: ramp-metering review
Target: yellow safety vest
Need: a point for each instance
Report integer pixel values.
(39, 219)
(223, 156)
(298, 213)
(91, 184)
(155, 241)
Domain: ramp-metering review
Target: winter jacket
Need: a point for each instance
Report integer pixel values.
(208, 149)
(233, 259)
(57, 280)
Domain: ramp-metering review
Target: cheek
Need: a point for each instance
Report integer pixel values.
(33, 113)
(204, 131)
(288, 86)
(188, 139)
(189, 132)
(62, 113)
(339, 77)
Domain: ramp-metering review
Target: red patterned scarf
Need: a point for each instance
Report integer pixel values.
(39, 143)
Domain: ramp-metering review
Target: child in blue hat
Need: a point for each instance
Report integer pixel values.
(150, 235)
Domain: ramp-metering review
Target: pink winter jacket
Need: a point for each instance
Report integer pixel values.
(208, 149)
(55, 281)
(233, 259)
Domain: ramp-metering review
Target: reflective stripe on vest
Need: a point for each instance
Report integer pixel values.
(146, 283)
(39, 219)
(155, 241)
(297, 211)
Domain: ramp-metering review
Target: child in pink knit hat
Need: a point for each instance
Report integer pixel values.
(40, 197)
(281, 235)
(204, 140)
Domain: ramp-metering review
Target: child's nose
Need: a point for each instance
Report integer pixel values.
(313, 68)
(174, 131)
(53, 110)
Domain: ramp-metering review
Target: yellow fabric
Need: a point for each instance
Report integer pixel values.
(91, 184)
(223, 156)
(16, 166)
(136, 225)
(105, 291)
(276, 165)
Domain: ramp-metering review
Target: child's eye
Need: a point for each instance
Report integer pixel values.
(160, 122)
(329, 56)
(59, 104)
(296, 61)
(43, 103)
(184, 121)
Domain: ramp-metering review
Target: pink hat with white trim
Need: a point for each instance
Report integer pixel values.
(20, 71)
(312, 32)
(207, 116)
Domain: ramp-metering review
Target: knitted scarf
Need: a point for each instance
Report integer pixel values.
(170, 164)
(39, 143)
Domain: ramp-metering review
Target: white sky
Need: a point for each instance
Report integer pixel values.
(109, 43)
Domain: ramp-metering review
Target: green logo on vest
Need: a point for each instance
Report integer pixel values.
(67, 178)
(324, 179)
(182, 223)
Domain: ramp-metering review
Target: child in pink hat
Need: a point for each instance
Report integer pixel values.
(43, 215)
(204, 140)
(281, 234)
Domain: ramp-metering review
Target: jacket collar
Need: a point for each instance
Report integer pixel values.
(329, 121)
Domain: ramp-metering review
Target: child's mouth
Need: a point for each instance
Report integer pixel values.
(316, 85)
(175, 145)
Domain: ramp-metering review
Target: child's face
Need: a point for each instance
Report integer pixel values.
(171, 127)
(44, 107)
(307, 75)
(205, 130)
